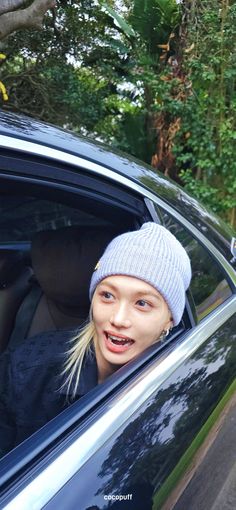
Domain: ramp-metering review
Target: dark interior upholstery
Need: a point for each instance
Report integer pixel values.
(63, 261)
(15, 282)
(53, 293)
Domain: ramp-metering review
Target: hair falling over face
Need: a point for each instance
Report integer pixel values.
(81, 344)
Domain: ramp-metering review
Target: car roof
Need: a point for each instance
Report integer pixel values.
(19, 126)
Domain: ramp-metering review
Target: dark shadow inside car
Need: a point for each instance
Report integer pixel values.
(62, 262)
(48, 251)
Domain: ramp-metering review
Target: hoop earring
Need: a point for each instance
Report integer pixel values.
(164, 334)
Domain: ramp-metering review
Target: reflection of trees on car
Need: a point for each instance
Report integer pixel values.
(208, 288)
(153, 442)
(21, 218)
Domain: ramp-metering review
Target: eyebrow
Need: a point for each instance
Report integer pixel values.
(147, 293)
(139, 293)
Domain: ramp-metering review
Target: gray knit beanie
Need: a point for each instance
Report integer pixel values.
(154, 255)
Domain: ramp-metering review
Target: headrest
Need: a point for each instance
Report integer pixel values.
(63, 261)
(11, 265)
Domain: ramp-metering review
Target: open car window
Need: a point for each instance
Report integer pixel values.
(22, 218)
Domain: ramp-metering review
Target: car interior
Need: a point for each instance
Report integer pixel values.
(50, 242)
(46, 266)
(48, 289)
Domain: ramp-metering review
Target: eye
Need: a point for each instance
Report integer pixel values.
(107, 296)
(142, 303)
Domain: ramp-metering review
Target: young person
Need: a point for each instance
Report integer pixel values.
(137, 294)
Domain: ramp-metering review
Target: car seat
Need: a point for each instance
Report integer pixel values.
(63, 261)
(15, 283)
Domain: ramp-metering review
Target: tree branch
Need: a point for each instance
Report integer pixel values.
(31, 17)
(10, 5)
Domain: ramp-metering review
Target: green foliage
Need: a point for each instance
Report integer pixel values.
(153, 20)
(121, 22)
(47, 75)
(205, 145)
(136, 75)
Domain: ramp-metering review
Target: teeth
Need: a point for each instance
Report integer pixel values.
(116, 337)
(120, 340)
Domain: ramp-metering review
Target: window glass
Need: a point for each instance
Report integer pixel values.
(21, 217)
(209, 287)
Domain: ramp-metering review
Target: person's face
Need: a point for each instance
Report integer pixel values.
(129, 315)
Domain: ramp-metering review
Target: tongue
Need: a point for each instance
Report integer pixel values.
(120, 342)
(118, 346)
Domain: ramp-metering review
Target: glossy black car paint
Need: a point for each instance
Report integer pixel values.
(140, 459)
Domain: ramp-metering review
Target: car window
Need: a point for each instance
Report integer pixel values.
(22, 216)
(209, 287)
(42, 242)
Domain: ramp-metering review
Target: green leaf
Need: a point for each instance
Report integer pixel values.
(124, 26)
(119, 45)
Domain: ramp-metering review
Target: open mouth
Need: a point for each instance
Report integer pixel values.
(118, 343)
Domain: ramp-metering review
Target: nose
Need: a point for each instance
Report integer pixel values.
(119, 317)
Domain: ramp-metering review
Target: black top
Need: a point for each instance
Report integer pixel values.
(31, 380)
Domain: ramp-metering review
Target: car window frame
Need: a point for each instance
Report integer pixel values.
(35, 185)
(22, 458)
(24, 148)
(39, 170)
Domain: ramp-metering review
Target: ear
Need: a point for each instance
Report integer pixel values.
(169, 325)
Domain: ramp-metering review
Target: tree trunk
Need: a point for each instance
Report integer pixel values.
(10, 5)
(31, 17)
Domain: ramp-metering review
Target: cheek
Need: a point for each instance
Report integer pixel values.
(152, 335)
(150, 330)
(94, 311)
(99, 314)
